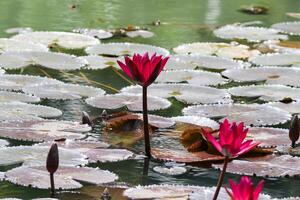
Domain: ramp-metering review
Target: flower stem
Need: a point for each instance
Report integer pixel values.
(221, 178)
(146, 126)
(52, 184)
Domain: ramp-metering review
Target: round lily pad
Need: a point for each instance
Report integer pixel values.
(271, 166)
(18, 81)
(177, 64)
(97, 33)
(36, 156)
(292, 107)
(108, 155)
(272, 75)
(65, 177)
(140, 33)
(199, 121)
(190, 94)
(266, 92)
(253, 114)
(277, 59)
(120, 49)
(133, 102)
(196, 77)
(174, 170)
(43, 130)
(3, 143)
(159, 121)
(63, 91)
(17, 45)
(284, 46)
(227, 50)
(100, 62)
(15, 30)
(250, 33)
(59, 61)
(22, 111)
(62, 39)
(6, 96)
(292, 28)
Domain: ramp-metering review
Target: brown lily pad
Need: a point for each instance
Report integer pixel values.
(65, 177)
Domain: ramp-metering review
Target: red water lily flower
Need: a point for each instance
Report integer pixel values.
(244, 190)
(231, 139)
(142, 69)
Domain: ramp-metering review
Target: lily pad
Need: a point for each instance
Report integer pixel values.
(3, 143)
(173, 170)
(120, 49)
(227, 50)
(59, 61)
(100, 62)
(16, 30)
(292, 28)
(36, 156)
(108, 155)
(250, 33)
(63, 91)
(199, 121)
(17, 45)
(6, 96)
(209, 62)
(65, 177)
(266, 92)
(62, 39)
(292, 108)
(294, 15)
(18, 81)
(22, 111)
(271, 166)
(131, 101)
(43, 130)
(253, 114)
(271, 75)
(97, 33)
(177, 64)
(195, 77)
(140, 33)
(159, 121)
(277, 59)
(190, 94)
(284, 46)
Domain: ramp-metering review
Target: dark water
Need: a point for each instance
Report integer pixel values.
(182, 21)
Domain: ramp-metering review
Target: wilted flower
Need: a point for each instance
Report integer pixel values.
(245, 190)
(231, 139)
(142, 69)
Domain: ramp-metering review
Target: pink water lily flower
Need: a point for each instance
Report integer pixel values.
(232, 141)
(244, 190)
(142, 69)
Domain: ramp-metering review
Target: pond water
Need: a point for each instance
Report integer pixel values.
(182, 22)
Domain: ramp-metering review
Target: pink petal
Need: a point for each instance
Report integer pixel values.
(258, 189)
(212, 140)
(125, 69)
(245, 149)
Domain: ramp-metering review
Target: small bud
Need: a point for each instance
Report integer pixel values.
(105, 195)
(52, 159)
(294, 130)
(86, 119)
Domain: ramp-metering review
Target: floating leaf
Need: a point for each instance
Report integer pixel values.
(18, 81)
(199, 121)
(253, 114)
(177, 64)
(36, 156)
(42, 130)
(272, 75)
(190, 94)
(3, 143)
(195, 77)
(284, 46)
(277, 59)
(108, 155)
(269, 137)
(288, 150)
(62, 39)
(18, 30)
(6, 96)
(97, 33)
(176, 192)
(271, 166)
(292, 108)
(131, 101)
(174, 170)
(23, 111)
(17, 45)
(254, 10)
(120, 49)
(226, 50)
(266, 92)
(100, 62)
(292, 28)
(207, 62)
(65, 177)
(250, 33)
(141, 33)
(63, 91)
(59, 61)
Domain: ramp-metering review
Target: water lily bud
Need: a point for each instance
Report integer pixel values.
(52, 159)
(294, 130)
(86, 119)
(105, 195)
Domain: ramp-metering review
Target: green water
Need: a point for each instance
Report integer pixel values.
(182, 21)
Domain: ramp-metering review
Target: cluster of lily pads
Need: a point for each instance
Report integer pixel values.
(253, 79)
